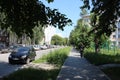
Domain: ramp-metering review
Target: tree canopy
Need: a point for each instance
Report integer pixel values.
(107, 11)
(57, 40)
(38, 34)
(23, 15)
(80, 35)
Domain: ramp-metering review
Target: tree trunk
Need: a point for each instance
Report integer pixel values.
(97, 46)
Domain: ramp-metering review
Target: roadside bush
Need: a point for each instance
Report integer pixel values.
(104, 57)
(56, 57)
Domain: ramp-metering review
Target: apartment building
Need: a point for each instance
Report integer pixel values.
(115, 36)
(49, 32)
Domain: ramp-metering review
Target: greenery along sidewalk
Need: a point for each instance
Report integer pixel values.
(105, 57)
(56, 58)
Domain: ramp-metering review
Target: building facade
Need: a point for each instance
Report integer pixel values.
(115, 36)
(49, 32)
(4, 38)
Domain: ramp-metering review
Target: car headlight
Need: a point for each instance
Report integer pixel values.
(24, 56)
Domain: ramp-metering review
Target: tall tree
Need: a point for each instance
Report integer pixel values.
(66, 41)
(38, 34)
(80, 35)
(108, 12)
(57, 40)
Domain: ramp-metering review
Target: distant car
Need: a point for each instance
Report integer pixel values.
(52, 46)
(1, 47)
(43, 47)
(22, 54)
(36, 47)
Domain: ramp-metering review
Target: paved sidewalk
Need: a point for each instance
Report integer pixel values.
(77, 68)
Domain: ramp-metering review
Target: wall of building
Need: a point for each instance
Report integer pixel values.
(115, 36)
(49, 32)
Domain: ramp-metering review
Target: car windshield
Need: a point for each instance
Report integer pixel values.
(22, 49)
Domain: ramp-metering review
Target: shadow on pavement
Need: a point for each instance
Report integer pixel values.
(6, 68)
(76, 68)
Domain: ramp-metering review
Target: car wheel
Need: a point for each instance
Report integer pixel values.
(27, 61)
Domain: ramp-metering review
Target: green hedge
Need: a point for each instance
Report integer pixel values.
(104, 57)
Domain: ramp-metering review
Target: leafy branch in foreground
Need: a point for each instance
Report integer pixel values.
(23, 15)
(108, 12)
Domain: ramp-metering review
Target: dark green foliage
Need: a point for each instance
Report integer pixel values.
(38, 34)
(65, 41)
(108, 12)
(50, 1)
(102, 58)
(57, 19)
(56, 57)
(23, 15)
(33, 74)
(80, 35)
(113, 73)
(57, 40)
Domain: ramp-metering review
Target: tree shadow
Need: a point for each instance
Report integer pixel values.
(6, 68)
(100, 59)
(76, 68)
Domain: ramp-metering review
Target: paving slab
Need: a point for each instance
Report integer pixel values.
(77, 68)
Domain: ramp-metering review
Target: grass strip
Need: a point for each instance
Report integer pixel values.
(56, 57)
(33, 74)
(104, 57)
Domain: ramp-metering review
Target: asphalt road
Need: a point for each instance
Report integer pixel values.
(6, 68)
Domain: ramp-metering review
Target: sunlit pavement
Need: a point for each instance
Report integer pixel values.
(77, 68)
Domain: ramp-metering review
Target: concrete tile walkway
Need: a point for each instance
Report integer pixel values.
(77, 68)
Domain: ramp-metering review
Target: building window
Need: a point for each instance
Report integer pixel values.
(118, 24)
(114, 36)
(119, 29)
(119, 44)
(118, 36)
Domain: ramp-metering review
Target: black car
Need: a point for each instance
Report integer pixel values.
(22, 54)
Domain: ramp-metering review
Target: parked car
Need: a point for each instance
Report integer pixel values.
(3, 49)
(13, 47)
(22, 54)
(43, 47)
(36, 47)
(52, 46)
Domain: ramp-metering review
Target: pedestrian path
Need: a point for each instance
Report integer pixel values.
(77, 68)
